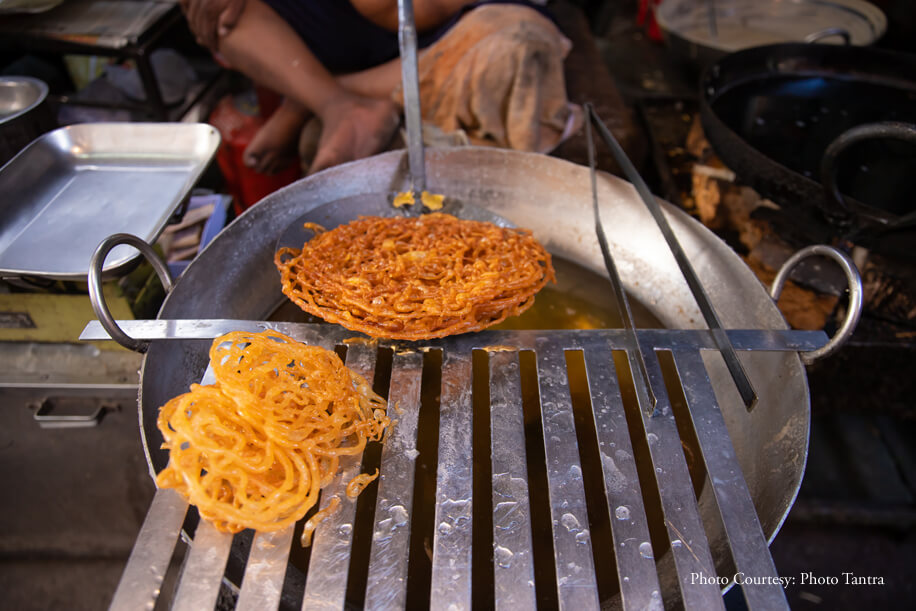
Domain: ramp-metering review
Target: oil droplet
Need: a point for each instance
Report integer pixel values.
(645, 549)
(503, 556)
(569, 521)
(622, 513)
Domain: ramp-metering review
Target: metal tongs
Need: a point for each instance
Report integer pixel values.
(722, 342)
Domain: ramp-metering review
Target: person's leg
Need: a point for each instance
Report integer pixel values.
(266, 49)
(274, 145)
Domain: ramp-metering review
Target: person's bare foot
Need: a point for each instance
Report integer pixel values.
(274, 145)
(354, 128)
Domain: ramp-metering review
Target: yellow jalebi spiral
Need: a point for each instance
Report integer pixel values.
(254, 449)
(415, 278)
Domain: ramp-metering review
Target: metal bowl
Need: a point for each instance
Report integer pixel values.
(24, 114)
(19, 95)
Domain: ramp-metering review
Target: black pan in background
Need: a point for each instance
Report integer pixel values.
(771, 113)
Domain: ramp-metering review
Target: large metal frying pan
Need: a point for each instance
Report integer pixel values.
(826, 132)
(234, 277)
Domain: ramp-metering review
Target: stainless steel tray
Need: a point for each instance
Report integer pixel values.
(75, 186)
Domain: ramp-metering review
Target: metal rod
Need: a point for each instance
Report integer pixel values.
(640, 377)
(712, 18)
(410, 83)
(748, 395)
(771, 340)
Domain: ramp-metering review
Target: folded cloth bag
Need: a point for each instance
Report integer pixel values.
(497, 75)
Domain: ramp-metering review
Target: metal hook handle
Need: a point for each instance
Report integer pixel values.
(95, 285)
(896, 130)
(855, 295)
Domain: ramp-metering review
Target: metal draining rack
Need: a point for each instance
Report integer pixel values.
(512, 536)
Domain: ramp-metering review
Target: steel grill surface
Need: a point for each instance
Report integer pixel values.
(512, 561)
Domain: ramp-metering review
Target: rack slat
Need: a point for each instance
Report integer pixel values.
(739, 517)
(387, 582)
(265, 571)
(576, 585)
(326, 586)
(639, 588)
(202, 574)
(512, 557)
(689, 544)
(451, 573)
(152, 553)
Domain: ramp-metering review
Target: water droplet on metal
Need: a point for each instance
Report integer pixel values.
(575, 472)
(645, 549)
(398, 515)
(569, 521)
(622, 512)
(582, 537)
(652, 437)
(445, 528)
(503, 556)
(677, 543)
(345, 529)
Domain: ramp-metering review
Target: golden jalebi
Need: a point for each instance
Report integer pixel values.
(254, 449)
(415, 278)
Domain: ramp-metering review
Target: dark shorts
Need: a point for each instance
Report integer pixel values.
(345, 41)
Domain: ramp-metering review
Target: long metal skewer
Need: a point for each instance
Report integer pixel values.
(748, 395)
(410, 82)
(640, 375)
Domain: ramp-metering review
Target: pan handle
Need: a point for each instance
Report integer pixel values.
(827, 33)
(855, 295)
(95, 285)
(868, 131)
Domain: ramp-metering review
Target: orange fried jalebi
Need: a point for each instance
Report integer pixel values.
(415, 278)
(254, 449)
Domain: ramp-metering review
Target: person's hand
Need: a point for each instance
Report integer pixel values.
(210, 19)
